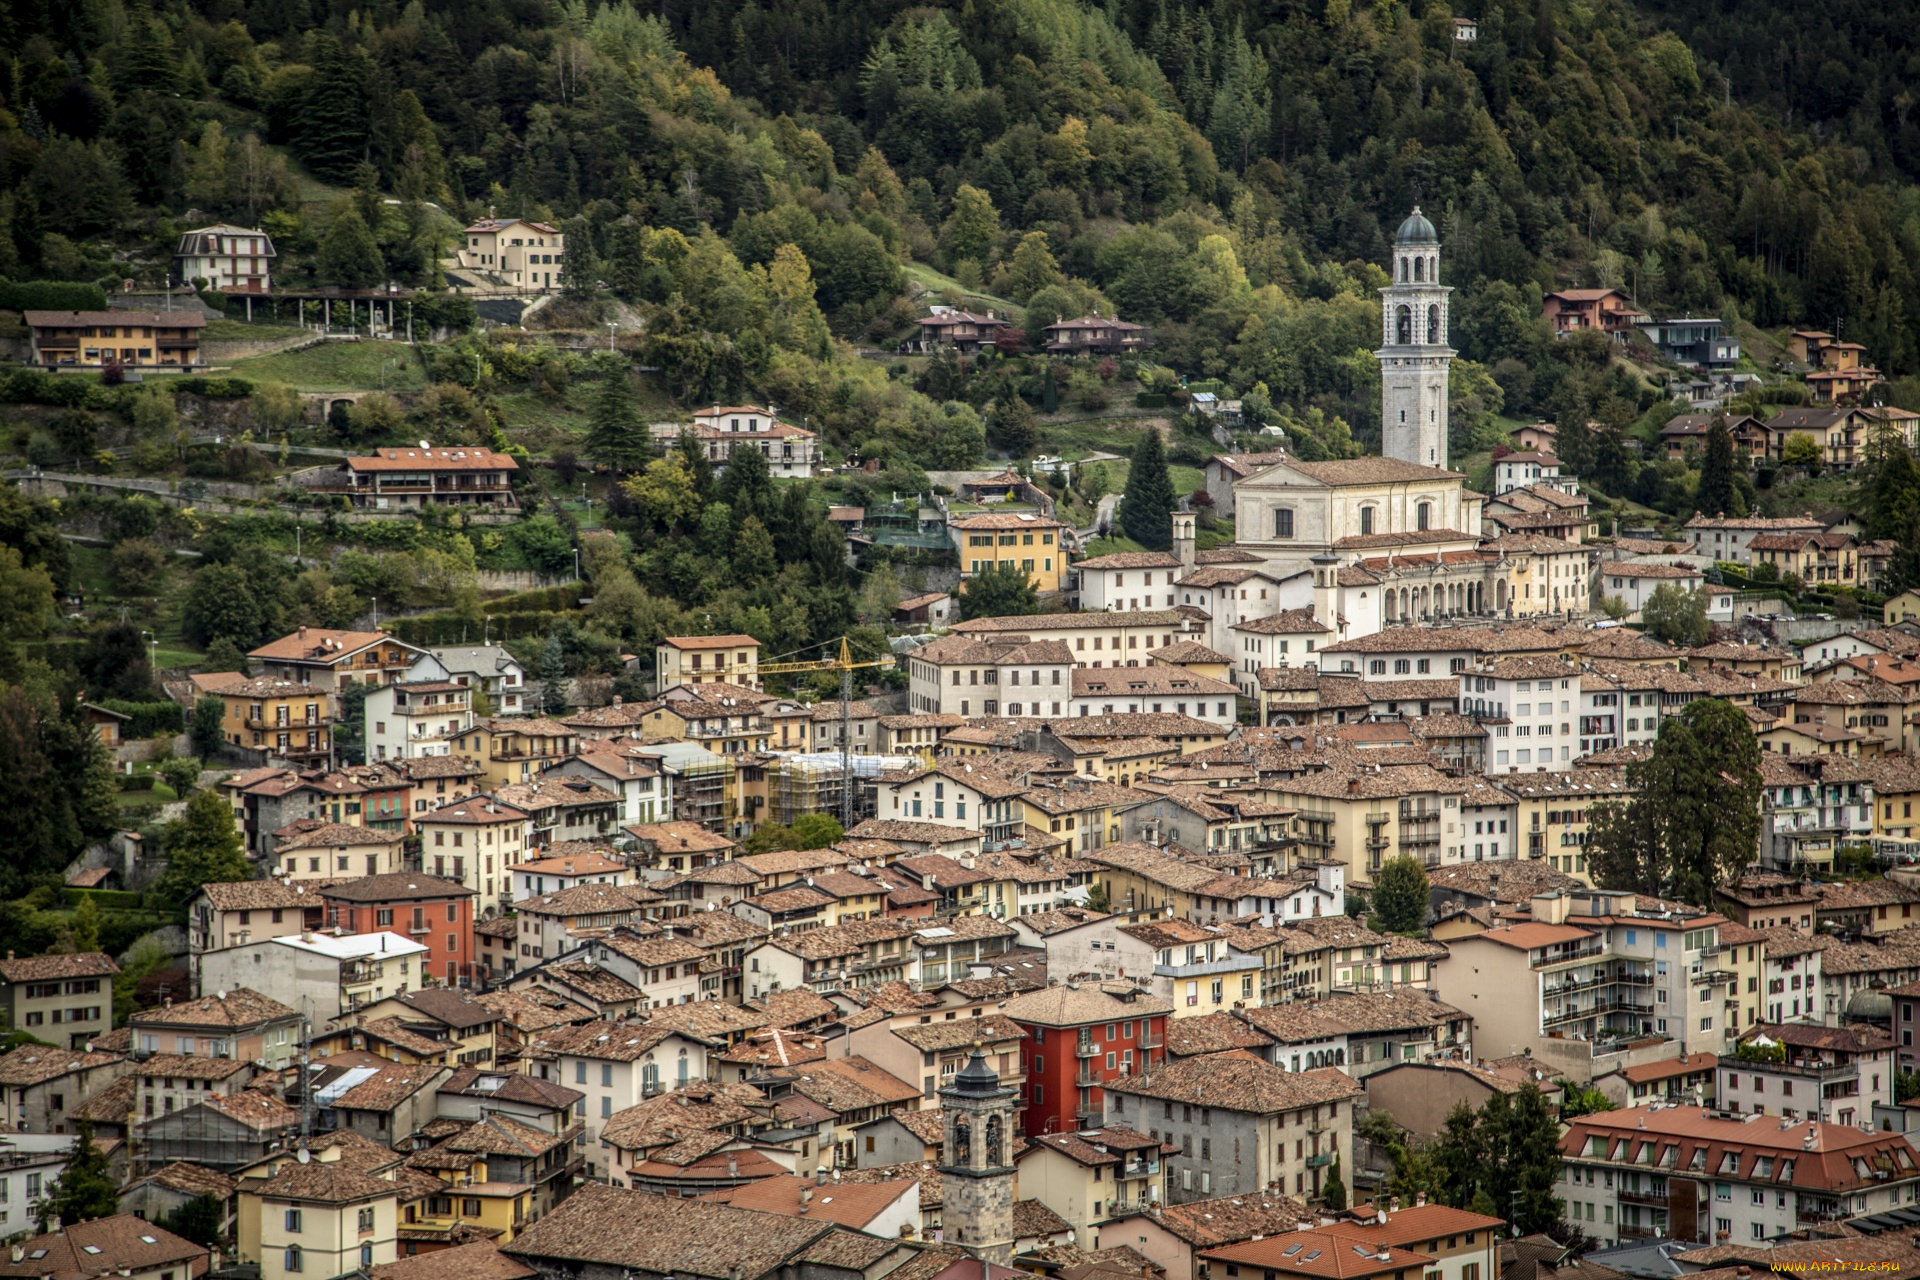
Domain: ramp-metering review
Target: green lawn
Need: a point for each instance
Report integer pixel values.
(1186, 479)
(1112, 546)
(242, 331)
(340, 366)
(940, 283)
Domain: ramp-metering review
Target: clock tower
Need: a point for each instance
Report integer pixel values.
(1414, 355)
(976, 1168)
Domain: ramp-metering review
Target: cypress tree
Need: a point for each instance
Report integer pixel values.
(1146, 512)
(1716, 495)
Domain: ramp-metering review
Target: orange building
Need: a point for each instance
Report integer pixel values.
(436, 913)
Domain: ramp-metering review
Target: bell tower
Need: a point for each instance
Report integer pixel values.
(976, 1169)
(1414, 355)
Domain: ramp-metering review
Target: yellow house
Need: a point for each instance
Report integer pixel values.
(1084, 812)
(510, 750)
(1896, 797)
(1363, 817)
(520, 252)
(1026, 539)
(1554, 812)
(706, 660)
(145, 339)
(322, 1216)
(281, 717)
(1197, 658)
(723, 727)
(470, 1194)
(1904, 607)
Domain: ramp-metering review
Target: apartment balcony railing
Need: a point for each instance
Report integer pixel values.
(1657, 1199)
(1087, 1049)
(1568, 957)
(1806, 1070)
(1319, 1161)
(1140, 1169)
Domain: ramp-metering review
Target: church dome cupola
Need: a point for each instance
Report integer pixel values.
(1416, 230)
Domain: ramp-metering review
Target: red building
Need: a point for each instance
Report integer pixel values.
(436, 913)
(1079, 1036)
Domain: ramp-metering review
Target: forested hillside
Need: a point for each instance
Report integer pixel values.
(1226, 172)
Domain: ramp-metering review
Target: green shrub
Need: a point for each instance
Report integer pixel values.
(135, 781)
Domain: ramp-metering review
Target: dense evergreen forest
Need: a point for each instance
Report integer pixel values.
(759, 174)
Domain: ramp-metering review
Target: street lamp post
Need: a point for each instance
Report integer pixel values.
(611, 326)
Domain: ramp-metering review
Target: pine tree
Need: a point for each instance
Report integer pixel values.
(85, 1190)
(329, 127)
(615, 435)
(1716, 494)
(1146, 511)
(348, 255)
(1400, 895)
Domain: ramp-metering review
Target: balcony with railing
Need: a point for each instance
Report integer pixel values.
(1598, 1008)
(1570, 954)
(1087, 1049)
(1140, 1169)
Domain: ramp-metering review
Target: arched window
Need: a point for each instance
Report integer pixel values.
(962, 1146)
(1421, 514)
(1433, 268)
(1404, 326)
(1420, 269)
(993, 1140)
(1433, 324)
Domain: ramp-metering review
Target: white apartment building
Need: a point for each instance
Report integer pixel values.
(1489, 823)
(416, 718)
(1633, 582)
(1152, 689)
(488, 668)
(615, 1065)
(1119, 639)
(1013, 677)
(1128, 580)
(1529, 706)
(1590, 975)
(229, 259)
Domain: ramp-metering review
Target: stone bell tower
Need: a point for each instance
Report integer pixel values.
(976, 1171)
(1414, 355)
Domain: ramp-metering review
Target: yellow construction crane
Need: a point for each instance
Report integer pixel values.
(846, 665)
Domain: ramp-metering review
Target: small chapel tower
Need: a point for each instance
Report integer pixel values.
(1414, 355)
(976, 1170)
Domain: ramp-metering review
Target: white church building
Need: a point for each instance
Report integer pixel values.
(1374, 542)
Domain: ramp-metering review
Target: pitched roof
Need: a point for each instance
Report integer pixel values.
(35, 1064)
(234, 1009)
(664, 1235)
(480, 1260)
(83, 964)
(1240, 1082)
(100, 1247)
(850, 1205)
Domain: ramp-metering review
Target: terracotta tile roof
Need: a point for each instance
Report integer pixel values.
(534, 1010)
(1355, 471)
(501, 1135)
(481, 1260)
(111, 1105)
(254, 895)
(191, 1179)
(256, 1108)
(318, 1181)
(1092, 1147)
(1130, 560)
(937, 1037)
(1204, 1224)
(852, 1084)
(604, 1041)
(102, 1247)
(84, 964)
(1825, 1158)
(318, 644)
(240, 1007)
(664, 1235)
(389, 1088)
(1084, 1003)
(792, 1195)
(1668, 1068)
(801, 1006)
(36, 1064)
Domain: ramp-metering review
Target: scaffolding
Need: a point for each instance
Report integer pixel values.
(816, 782)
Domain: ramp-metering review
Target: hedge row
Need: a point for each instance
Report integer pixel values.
(146, 718)
(446, 628)
(51, 295)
